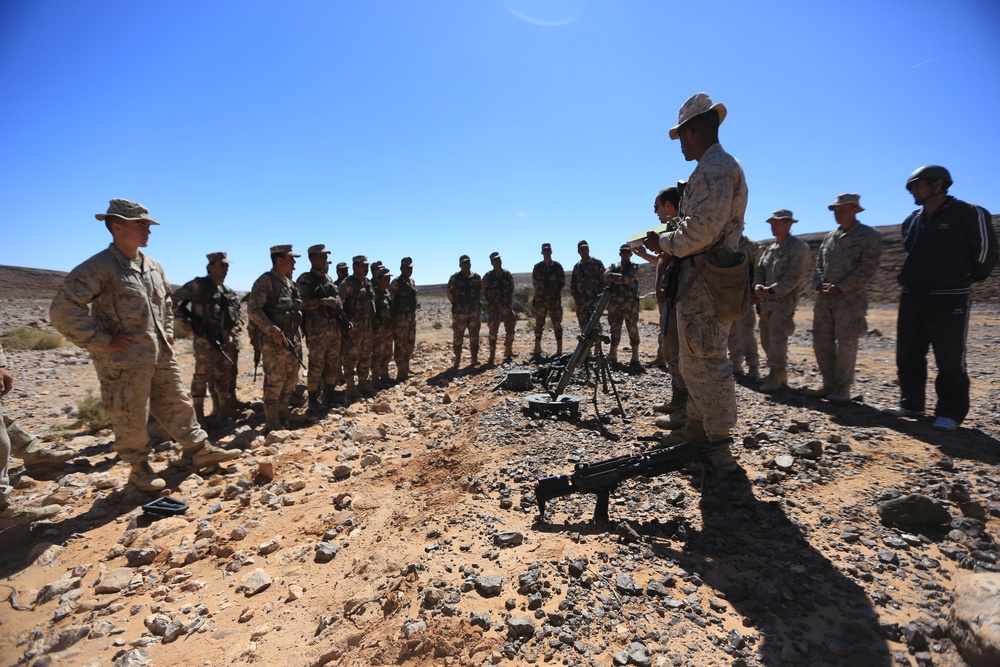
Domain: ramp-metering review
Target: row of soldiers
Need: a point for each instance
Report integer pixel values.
(353, 328)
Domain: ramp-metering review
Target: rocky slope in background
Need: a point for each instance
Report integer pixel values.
(402, 529)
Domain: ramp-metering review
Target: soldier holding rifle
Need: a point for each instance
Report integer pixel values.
(325, 321)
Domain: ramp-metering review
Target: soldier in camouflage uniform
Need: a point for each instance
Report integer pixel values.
(275, 310)
(848, 260)
(711, 219)
(782, 269)
(324, 322)
(216, 311)
(382, 329)
(548, 279)
(498, 292)
(586, 284)
(117, 306)
(357, 294)
(742, 339)
(403, 295)
(464, 292)
(342, 272)
(623, 304)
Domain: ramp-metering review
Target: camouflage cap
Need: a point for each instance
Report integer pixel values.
(126, 210)
(624, 248)
(405, 262)
(360, 259)
(494, 255)
(546, 247)
(463, 259)
(582, 244)
(376, 266)
(845, 199)
(284, 250)
(383, 272)
(318, 249)
(696, 105)
(782, 214)
(217, 257)
(341, 265)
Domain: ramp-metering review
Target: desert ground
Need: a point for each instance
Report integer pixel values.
(403, 529)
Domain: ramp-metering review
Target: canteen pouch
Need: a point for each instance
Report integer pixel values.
(727, 274)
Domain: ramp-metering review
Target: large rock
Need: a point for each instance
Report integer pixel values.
(974, 622)
(914, 510)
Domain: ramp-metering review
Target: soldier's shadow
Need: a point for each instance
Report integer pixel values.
(446, 377)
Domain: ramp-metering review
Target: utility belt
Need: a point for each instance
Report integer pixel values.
(727, 275)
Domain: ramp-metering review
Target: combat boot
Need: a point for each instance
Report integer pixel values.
(678, 401)
(776, 380)
(475, 356)
(402, 371)
(272, 419)
(508, 349)
(352, 390)
(613, 353)
(737, 367)
(209, 454)
(493, 353)
(559, 345)
(720, 456)
(15, 514)
(753, 373)
(227, 407)
(635, 356)
(365, 386)
(538, 348)
(672, 422)
(143, 478)
(315, 403)
(693, 430)
(821, 392)
(458, 358)
(840, 396)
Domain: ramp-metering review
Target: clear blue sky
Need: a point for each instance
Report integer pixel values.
(434, 128)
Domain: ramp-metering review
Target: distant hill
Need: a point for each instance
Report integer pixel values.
(17, 282)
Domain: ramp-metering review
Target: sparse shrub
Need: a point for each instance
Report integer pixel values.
(647, 303)
(180, 331)
(571, 305)
(91, 411)
(26, 338)
(437, 325)
(523, 301)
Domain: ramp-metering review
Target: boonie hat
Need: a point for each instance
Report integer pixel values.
(845, 199)
(217, 257)
(318, 249)
(494, 255)
(782, 214)
(284, 250)
(126, 210)
(696, 105)
(405, 262)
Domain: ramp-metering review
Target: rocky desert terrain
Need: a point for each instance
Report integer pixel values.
(403, 529)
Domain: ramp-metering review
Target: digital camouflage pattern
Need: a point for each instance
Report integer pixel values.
(464, 293)
(403, 299)
(498, 292)
(623, 304)
(784, 268)
(585, 286)
(274, 304)
(742, 339)
(324, 321)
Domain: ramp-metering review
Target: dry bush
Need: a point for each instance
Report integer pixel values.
(91, 412)
(26, 338)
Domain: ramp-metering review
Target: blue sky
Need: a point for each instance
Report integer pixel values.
(435, 128)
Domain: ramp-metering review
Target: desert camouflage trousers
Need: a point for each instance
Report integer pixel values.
(583, 313)
(627, 312)
(358, 359)
(704, 361)
(211, 370)
(671, 345)
(462, 319)
(131, 395)
(14, 441)
(281, 372)
(495, 315)
(777, 324)
(404, 339)
(743, 341)
(838, 324)
(381, 349)
(551, 308)
(325, 359)
(5, 488)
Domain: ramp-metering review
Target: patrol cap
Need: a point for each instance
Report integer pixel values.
(217, 257)
(582, 244)
(782, 214)
(463, 259)
(126, 210)
(546, 247)
(341, 265)
(494, 255)
(383, 272)
(376, 266)
(696, 105)
(360, 259)
(318, 249)
(284, 250)
(623, 248)
(405, 262)
(845, 199)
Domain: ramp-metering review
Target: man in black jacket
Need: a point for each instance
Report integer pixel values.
(949, 245)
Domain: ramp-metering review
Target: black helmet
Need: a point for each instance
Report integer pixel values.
(930, 172)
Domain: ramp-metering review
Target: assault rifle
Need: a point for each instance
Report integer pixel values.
(603, 477)
(291, 348)
(202, 330)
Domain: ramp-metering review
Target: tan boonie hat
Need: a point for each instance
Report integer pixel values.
(696, 105)
(845, 199)
(360, 259)
(318, 249)
(494, 255)
(126, 210)
(217, 257)
(283, 250)
(782, 214)
(405, 262)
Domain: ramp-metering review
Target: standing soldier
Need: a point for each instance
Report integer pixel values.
(742, 339)
(623, 304)
(782, 269)
(117, 306)
(214, 318)
(275, 310)
(323, 316)
(464, 290)
(356, 293)
(403, 295)
(382, 329)
(586, 283)
(342, 272)
(848, 260)
(498, 291)
(548, 279)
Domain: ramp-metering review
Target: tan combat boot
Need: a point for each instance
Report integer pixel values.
(635, 356)
(508, 349)
(821, 392)
(475, 356)
(402, 371)
(840, 396)
(458, 358)
(272, 419)
(776, 380)
(143, 478)
(613, 353)
(720, 456)
(693, 430)
(209, 454)
(538, 347)
(493, 353)
(14, 514)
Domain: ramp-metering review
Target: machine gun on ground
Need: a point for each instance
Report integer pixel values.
(603, 477)
(561, 371)
(202, 330)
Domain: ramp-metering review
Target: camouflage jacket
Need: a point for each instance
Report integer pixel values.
(313, 288)
(784, 267)
(464, 291)
(383, 309)
(587, 281)
(217, 306)
(274, 304)
(403, 295)
(108, 295)
(849, 259)
(498, 289)
(358, 297)
(624, 281)
(548, 280)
